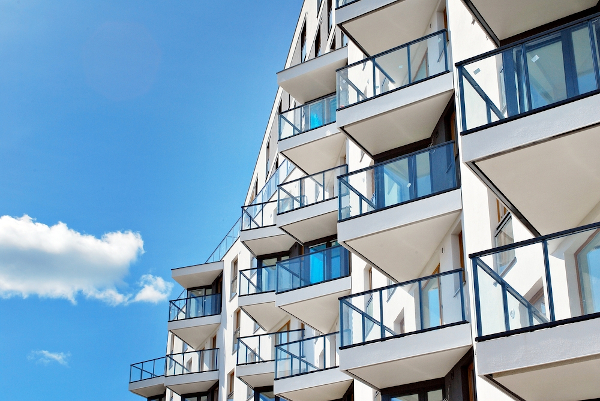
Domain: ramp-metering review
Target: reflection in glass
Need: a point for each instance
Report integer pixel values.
(588, 262)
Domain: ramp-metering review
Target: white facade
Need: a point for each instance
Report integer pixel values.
(407, 140)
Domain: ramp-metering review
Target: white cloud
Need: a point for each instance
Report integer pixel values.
(58, 262)
(45, 357)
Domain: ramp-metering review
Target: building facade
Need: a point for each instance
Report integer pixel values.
(422, 220)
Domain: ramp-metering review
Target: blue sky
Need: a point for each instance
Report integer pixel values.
(136, 125)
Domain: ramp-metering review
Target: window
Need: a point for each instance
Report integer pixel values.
(428, 394)
(303, 44)
(329, 15)
(268, 155)
(234, 278)
(230, 384)
(539, 301)
(237, 316)
(504, 236)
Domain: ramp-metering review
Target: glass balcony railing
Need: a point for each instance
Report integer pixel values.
(393, 69)
(535, 73)
(261, 348)
(308, 116)
(192, 362)
(279, 176)
(313, 268)
(425, 303)
(259, 215)
(537, 282)
(427, 172)
(189, 308)
(258, 280)
(309, 190)
(147, 370)
(306, 356)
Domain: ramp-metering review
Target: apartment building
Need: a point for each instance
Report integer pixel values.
(422, 221)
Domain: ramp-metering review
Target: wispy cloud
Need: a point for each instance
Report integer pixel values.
(58, 262)
(45, 357)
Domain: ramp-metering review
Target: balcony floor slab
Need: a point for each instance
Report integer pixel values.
(195, 331)
(260, 374)
(262, 308)
(324, 385)
(149, 387)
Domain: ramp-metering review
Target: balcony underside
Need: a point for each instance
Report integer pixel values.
(314, 78)
(400, 240)
(197, 275)
(400, 117)
(324, 385)
(192, 382)
(311, 222)
(558, 363)
(550, 178)
(316, 305)
(266, 240)
(409, 359)
(149, 387)
(256, 375)
(316, 150)
(195, 331)
(512, 17)
(404, 21)
(262, 308)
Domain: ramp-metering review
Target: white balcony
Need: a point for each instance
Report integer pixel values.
(308, 287)
(403, 21)
(307, 207)
(149, 387)
(315, 150)
(561, 363)
(262, 308)
(257, 374)
(325, 385)
(313, 78)
(259, 231)
(397, 97)
(512, 17)
(195, 318)
(192, 372)
(197, 275)
(147, 379)
(409, 359)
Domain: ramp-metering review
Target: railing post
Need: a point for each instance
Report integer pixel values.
(462, 295)
(381, 314)
(341, 323)
(505, 305)
(324, 352)
(477, 304)
(420, 304)
(445, 39)
(548, 281)
(409, 66)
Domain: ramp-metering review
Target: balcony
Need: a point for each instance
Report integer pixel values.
(307, 207)
(400, 209)
(537, 307)
(194, 319)
(147, 378)
(403, 21)
(192, 372)
(259, 233)
(513, 17)
(307, 370)
(308, 137)
(308, 286)
(530, 110)
(410, 83)
(256, 356)
(257, 295)
(405, 333)
(314, 78)
(197, 275)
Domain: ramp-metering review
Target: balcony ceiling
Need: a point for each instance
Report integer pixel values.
(398, 118)
(315, 150)
(423, 356)
(257, 374)
(197, 275)
(512, 17)
(401, 240)
(324, 385)
(262, 308)
(313, 78)
(551, 178)
(195, 331)
(404, 21)
(266, 240)
(316, 305)
(311, 222)
(149, 387)
(192, 382)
